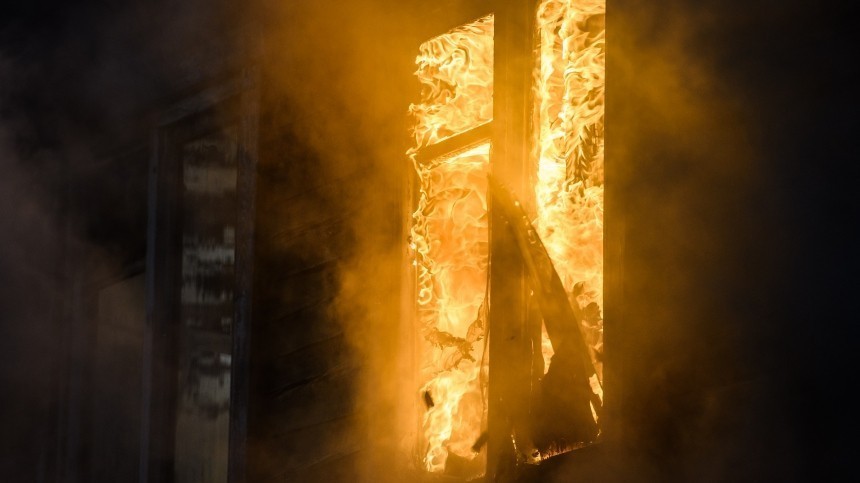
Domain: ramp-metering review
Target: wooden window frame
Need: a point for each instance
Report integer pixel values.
(238, 97)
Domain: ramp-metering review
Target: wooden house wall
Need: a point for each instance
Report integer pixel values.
(329, 206)
(302, 409)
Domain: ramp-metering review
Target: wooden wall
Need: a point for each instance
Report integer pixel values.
(336, 86)
(302, 409)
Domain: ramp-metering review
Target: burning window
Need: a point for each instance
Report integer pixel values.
(449, 238)
(569, 92)
(555, 230)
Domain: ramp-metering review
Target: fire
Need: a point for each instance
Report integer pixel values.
(449, 234)
(569, 97)
(449, 238)
(456, 72)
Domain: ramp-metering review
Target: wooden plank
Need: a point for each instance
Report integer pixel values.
(337, 467)
(288, 253)
(246, 191)
(297, 328)
(310, 445)
(317, 401)
(311, 361)
(284, 295)
(455, 145)
(509, 335)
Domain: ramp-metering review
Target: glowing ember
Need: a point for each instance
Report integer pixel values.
(569, 93)
(450, 238)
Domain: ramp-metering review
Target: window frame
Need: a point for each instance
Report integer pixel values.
(234, 101)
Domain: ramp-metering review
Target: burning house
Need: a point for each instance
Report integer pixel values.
(464, 240)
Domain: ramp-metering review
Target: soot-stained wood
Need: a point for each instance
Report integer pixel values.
(309, 362)
(303, 455)
(335, 467)
(302, 410)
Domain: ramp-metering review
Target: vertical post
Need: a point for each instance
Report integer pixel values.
(246, 193)
(159, 380)
(614, 236)
(509, 338)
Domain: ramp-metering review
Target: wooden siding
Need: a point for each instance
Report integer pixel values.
(302, 410)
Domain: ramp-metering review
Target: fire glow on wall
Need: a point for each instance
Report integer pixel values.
(557, 229)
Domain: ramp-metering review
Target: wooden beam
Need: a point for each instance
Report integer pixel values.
(510, 351)
(454, 145)
(246, 193)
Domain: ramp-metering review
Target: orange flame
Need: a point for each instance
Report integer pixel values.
(449, 235)
(569, 94)
(456, 72)
(449, 238)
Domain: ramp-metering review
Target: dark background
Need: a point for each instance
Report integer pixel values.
(740, 214)
(739, 217)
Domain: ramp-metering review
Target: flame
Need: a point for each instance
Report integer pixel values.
(449, 238)
(569, 97)
(456, 73)
(449, 235)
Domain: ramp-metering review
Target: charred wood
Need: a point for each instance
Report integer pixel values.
(561, 413)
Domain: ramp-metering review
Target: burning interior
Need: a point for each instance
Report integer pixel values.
(541, 234)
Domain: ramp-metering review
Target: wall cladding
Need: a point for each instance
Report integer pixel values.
(302, 411)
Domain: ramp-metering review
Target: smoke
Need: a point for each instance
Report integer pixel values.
(711, 109)
(705, 134)
(42, 238)
(341, 81)
(27, 253)
(341, 86)
(76, 82)
(729, 210)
